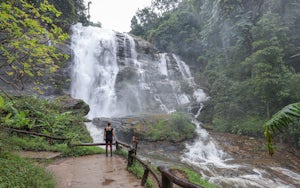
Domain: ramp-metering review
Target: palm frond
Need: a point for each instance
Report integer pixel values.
(280, 120)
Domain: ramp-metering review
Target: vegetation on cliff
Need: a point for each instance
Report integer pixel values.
(173, 127)
(247, 51)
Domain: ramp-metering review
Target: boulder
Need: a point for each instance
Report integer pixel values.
(70, 103)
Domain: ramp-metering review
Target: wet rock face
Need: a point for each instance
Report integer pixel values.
(145, 48)
(150, 81)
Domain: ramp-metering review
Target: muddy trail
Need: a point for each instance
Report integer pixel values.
(92, 172)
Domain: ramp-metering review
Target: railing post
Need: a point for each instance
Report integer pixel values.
(117, 145)
(130, 158)
(145, 176)
(135, 142)
(165, 182)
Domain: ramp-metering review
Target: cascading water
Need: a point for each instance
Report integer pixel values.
(109, 76)
(116, 80)
(219, 168)
(95, 69)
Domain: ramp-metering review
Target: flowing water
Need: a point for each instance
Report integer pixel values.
(115, 80)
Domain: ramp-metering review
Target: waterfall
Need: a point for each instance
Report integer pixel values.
(116, 77)
(95, 69)
(115, 80)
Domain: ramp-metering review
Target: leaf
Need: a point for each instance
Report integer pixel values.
(1, 103)
(25, 29)
(281, 119)
(10, 73)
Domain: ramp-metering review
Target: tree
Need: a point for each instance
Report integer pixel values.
(72, 11)
(28, 42)
(269, 75)
(282, 119)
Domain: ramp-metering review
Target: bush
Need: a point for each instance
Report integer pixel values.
(250, 126)
(43, 116)
(197, 179)
(177, 128)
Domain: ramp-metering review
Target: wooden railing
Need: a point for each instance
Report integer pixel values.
(167, 177)
(132, 156)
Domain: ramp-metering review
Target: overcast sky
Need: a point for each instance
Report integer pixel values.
(115, 14)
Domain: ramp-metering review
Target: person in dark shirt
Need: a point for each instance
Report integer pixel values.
(108, 136)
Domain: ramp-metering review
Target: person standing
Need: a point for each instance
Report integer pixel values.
(108, 136)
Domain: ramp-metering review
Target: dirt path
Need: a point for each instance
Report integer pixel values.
(93, 171)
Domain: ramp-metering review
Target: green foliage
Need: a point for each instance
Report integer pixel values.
(48, 118)
(282, 119)
(28, 143)
(18, 172)
(80, 151)
(72, 11)
(196, 178)
(122, 152)
(45, 117)
(177, 128)
(34, 143)
(138, 170)
(250, 126)
(29, 39)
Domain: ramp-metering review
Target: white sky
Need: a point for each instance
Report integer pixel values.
(115, 14)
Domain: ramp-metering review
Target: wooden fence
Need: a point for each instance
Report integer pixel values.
(167, 177)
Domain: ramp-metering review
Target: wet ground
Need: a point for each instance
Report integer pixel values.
(93, 171)
(254, 151)
(101, 171)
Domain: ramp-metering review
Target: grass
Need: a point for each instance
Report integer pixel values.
(30, 143)
(197, 179)
(17, 172)
(41, 116)
(138, 170)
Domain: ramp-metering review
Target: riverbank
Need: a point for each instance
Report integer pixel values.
(254, 151)
(246, 161)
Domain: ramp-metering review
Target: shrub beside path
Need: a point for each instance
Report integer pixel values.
(93, 171)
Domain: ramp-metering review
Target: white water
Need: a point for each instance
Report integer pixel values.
(95, 69)
(94, 73)
(205, 155)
